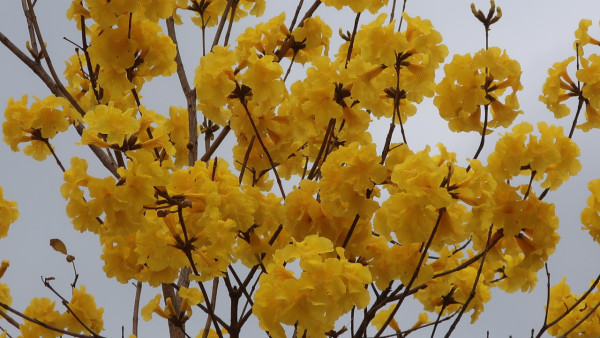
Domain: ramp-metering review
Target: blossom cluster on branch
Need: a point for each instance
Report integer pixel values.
(364, 227)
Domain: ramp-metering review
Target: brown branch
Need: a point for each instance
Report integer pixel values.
(55, 89)
(213, 300)
(324, 144)
(351, 45)
(136, 308)
(9, 319)
(222, 23)
(246, 157)
(216, 143)
(190, 96)
(169, 292)
(472, 259)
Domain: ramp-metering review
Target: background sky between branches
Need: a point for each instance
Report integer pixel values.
(536, 33)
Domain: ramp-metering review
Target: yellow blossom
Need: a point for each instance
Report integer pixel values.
(8, 214)
(112, 122)
(83, 306)
(358, 6)
(471, 82)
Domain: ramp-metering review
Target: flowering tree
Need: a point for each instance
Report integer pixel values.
(309, 220)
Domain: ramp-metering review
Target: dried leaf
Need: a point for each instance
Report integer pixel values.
(58, 245)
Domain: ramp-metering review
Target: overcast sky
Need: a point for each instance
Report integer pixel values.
(536, 33)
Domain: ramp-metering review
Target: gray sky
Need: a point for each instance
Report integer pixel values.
(536, 33)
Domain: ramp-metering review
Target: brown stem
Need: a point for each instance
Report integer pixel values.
(91, 74)
(401, 17)
(296, 14)
(136, 308)
(169, 292)
(264, 147)
(9, 319)
(324, 144)
(190, 96)
(484, 131)
(213, 300)
(472, 259)
(216, 143)
(234, 6)
(351, 45)
(246, 157)
(222, 23)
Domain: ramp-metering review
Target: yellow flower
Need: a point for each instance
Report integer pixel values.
(209, 16)
(347, 174)
(84, 307)
(582, 37)
(120, 259)
(154, 307)
(130, 53)
(113, 122)
(43, 120)
(590, 216)
(381, 317)
(588, 74)
(358, 6)
(558, 87)
(178, 128)
(263, 76)
(214, 82)
(262, 39)
(474, 81)
(8, 214)
(562, 299)
(43, 310)
(316, 34)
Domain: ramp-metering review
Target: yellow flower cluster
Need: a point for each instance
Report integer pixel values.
(473, 81)
(84, 312)
(327, 287)
(358, 6)
(320, 245)
(561, 300)
(590, 216)
(552, 156)
(8, 214)
(36, 124)
(559, 86)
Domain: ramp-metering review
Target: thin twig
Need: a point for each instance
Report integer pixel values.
(415, 273)
(474, 289)
(190, 96)
(351, 45)
(264, 147)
